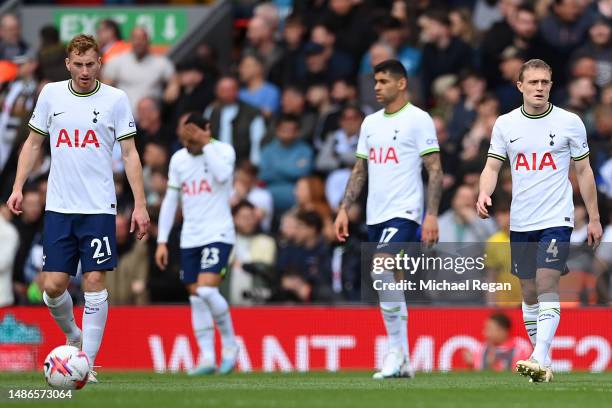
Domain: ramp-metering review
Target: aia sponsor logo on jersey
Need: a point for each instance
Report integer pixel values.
(194, 188)
(66, 139)
(383, 155)
(532, 162)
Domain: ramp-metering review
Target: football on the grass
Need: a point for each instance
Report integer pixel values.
(67, 368)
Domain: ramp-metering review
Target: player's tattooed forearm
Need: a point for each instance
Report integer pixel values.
(434, 186)
(355, 184)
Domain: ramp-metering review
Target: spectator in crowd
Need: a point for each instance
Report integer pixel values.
(461, 26)
(378, 52)
(283, 161)
(316, 68)
(601, 142)
(110, 40)
(563, 30)
(339, 146)
(154, 159)
(305, 265)
(519, 29)
(189, 90)
(395, 34)
(581, 94)
(284, 71)
(489, 12)
(17, 103)
(343, 92)
(443, 53)
(139, 72)
(51, 56)
(252, 259)
(10, 244)
(498, 352)
(269, 13)
(506, 92)
(11, 43)
(293, 102)
(257, 91)
(476, 142)
(473, 87)
(309, 195)
(235, 122)
(261, 41)
(246, 188)
(150, 127)
(29, 225)
(461, 223)
(129, 281)
(599, 47)
(353, 26)
(323, 34)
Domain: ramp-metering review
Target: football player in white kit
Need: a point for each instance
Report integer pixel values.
(200, 176)
(81, 119)
(394, 144)
(540, 140)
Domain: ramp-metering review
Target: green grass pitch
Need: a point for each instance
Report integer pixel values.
(337, 390)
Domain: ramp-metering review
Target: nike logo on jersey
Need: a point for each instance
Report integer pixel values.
(549, 260)
(55, 114)
(101, 261)
(512, 141)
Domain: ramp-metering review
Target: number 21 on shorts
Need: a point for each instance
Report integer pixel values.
(98, 251)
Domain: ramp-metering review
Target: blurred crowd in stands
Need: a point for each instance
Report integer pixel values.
(291, 104)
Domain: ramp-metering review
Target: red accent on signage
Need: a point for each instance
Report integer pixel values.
(318, 338)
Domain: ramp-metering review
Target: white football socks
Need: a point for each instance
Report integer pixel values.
(61, 310)
(395, 317)
(220, 311)
(530, 320)
(94, 320)
(204, 330)
(394, 314)
(549, 316)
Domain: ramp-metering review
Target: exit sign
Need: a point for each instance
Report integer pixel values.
(165, 26)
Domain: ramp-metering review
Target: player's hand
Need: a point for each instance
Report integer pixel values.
(14, 202)
(140, 219)
(595, 233)
(341, 225)
(161, 256)
(195, 133)
(430, 232)
(483, 202)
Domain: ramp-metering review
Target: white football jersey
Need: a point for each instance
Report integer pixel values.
(82, 129)
(393, 145)
(540, 148)
(207, 216)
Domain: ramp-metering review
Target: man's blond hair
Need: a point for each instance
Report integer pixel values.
(533, 64)
(82, 43)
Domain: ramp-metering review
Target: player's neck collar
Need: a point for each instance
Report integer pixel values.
(82, 94)
(541, 115)
(390, 115)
